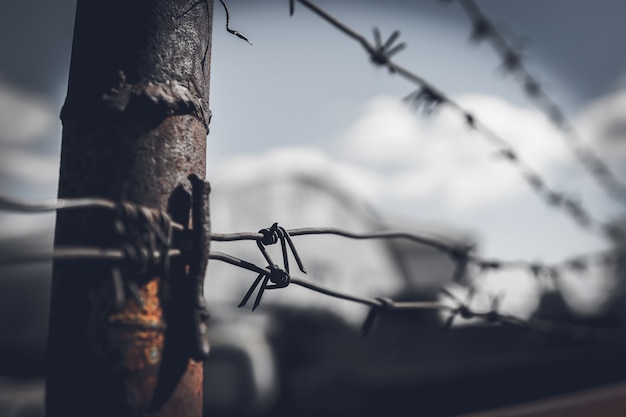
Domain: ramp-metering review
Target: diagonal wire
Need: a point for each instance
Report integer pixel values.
(597, 168)
(555, 199)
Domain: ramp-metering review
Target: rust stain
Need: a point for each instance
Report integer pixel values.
(139, 332)
(186, 400)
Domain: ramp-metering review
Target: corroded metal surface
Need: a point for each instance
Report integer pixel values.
(134, 127)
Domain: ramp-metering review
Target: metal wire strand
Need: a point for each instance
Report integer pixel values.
(574, 263)
(71, 204)
(56, 204)
(69, 253)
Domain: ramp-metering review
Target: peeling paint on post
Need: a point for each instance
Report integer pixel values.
(134, 127)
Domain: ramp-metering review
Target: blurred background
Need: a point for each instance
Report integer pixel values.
(306, 132)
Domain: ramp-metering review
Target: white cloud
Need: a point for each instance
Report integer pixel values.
(603, 126)
(30, 168)
(24, 116)
(440, 158)
(290, 161)
(392, 158)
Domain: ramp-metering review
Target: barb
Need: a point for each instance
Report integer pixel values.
(228, 28)
(381, 305)
(278, 277)
(484, 29)
(274, 234)
(432, 98)
(426, 99)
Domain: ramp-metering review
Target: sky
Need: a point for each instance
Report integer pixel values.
(305, 97)
(318, 97)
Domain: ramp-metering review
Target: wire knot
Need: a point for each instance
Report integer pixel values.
(279, 277)
(145, 237)
(381, 53)
(271, 235)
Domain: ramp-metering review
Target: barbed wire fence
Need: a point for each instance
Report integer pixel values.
(484, 29)
(146, 255)
(165, 239)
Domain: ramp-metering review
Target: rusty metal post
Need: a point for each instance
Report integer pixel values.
(135, 122)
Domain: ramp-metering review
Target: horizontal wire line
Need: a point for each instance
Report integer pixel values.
(68, 253)
(56, 204)
(67, 204)
(438, 244)
(106, 254)
(447, 249)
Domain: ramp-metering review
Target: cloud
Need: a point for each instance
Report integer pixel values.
(295, 161)
(602, 126)
(29, 168)
(440, 158)
(24, 117)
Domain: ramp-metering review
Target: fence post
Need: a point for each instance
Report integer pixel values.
(135, 122)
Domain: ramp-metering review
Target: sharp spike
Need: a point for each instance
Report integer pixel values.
(396, 49)
(392, 39)
(246, 297)
(259, 295)
(293, 250)
(378, 43)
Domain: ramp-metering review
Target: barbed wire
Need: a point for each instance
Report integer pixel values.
(280, 278)
(83, 253)
(381, 305)
(429, 98)
(145, 254)
(74, 203)
(460, 253)
(483, 29)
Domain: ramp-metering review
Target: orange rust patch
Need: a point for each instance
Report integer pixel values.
(151, 316)
(139, 332)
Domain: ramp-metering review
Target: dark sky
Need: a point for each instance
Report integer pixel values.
(579, 38)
